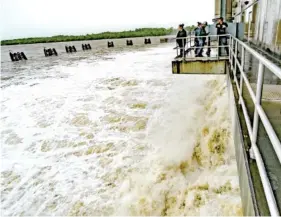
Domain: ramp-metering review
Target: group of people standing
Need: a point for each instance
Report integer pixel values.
(201, 38)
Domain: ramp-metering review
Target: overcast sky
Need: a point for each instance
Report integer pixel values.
(30, 18)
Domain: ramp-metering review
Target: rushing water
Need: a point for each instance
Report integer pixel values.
(114, 133)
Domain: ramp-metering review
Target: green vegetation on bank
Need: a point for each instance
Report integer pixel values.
(104, 35)
(141, 32)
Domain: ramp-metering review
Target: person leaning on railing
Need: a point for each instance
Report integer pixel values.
(221, 30)
(181, 39)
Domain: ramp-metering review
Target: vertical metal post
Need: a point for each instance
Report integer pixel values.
(229, 50)
(230, 53)
(249, 25)
(241, 73)
(218, 38)
(258, 101)
(235, 57)
(182, 48)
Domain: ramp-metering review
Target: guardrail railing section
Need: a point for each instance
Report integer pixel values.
(258, 83)
(203, 46)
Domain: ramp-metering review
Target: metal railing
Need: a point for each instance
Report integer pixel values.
(259, 113)
(187, 43)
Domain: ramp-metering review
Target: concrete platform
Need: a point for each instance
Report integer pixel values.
(199, 65)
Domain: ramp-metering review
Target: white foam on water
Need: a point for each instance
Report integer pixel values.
(116, 136)
(188, 173)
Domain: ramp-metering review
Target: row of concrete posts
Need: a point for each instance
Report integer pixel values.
(69, 49)
(17, 56)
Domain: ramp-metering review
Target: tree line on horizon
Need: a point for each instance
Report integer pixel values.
(139, 32)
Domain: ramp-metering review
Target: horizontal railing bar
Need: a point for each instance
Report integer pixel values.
(205, 36)
(264, 119)
(270, 132)
(237, 84)
(271, 66)
(265, 183)
(248, 122)
(204, 47)
(251, 92)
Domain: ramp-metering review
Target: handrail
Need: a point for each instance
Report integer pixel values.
(271, 66)
(259, 111)
(188, 39)
(193, 36)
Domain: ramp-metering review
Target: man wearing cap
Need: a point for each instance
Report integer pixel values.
(221, 30)
(181, 39)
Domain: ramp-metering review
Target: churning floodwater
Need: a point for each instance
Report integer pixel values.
(114, 132)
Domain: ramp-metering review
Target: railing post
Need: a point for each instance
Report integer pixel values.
(218, 38)
(258, 101)
(235, 57)
(182, 48)
(229, 50)
(241, 73)
(230, 53)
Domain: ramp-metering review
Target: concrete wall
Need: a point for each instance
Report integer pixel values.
(195, 66)
(268, 24)
(264, 22)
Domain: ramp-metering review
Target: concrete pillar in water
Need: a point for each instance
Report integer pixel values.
(19, 56)
(50, 52)
(110, 44)
(45, 52)
(16, 57)
(55, 52)
(129, 42)
(147, 41)
(12, 56)
(23, 56)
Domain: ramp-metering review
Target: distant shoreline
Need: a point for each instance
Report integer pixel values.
(141, 32)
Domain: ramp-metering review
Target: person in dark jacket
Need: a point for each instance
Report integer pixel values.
(180, 41)
(200, 31)
(196, 40)
(221, 30)
(207, 40)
